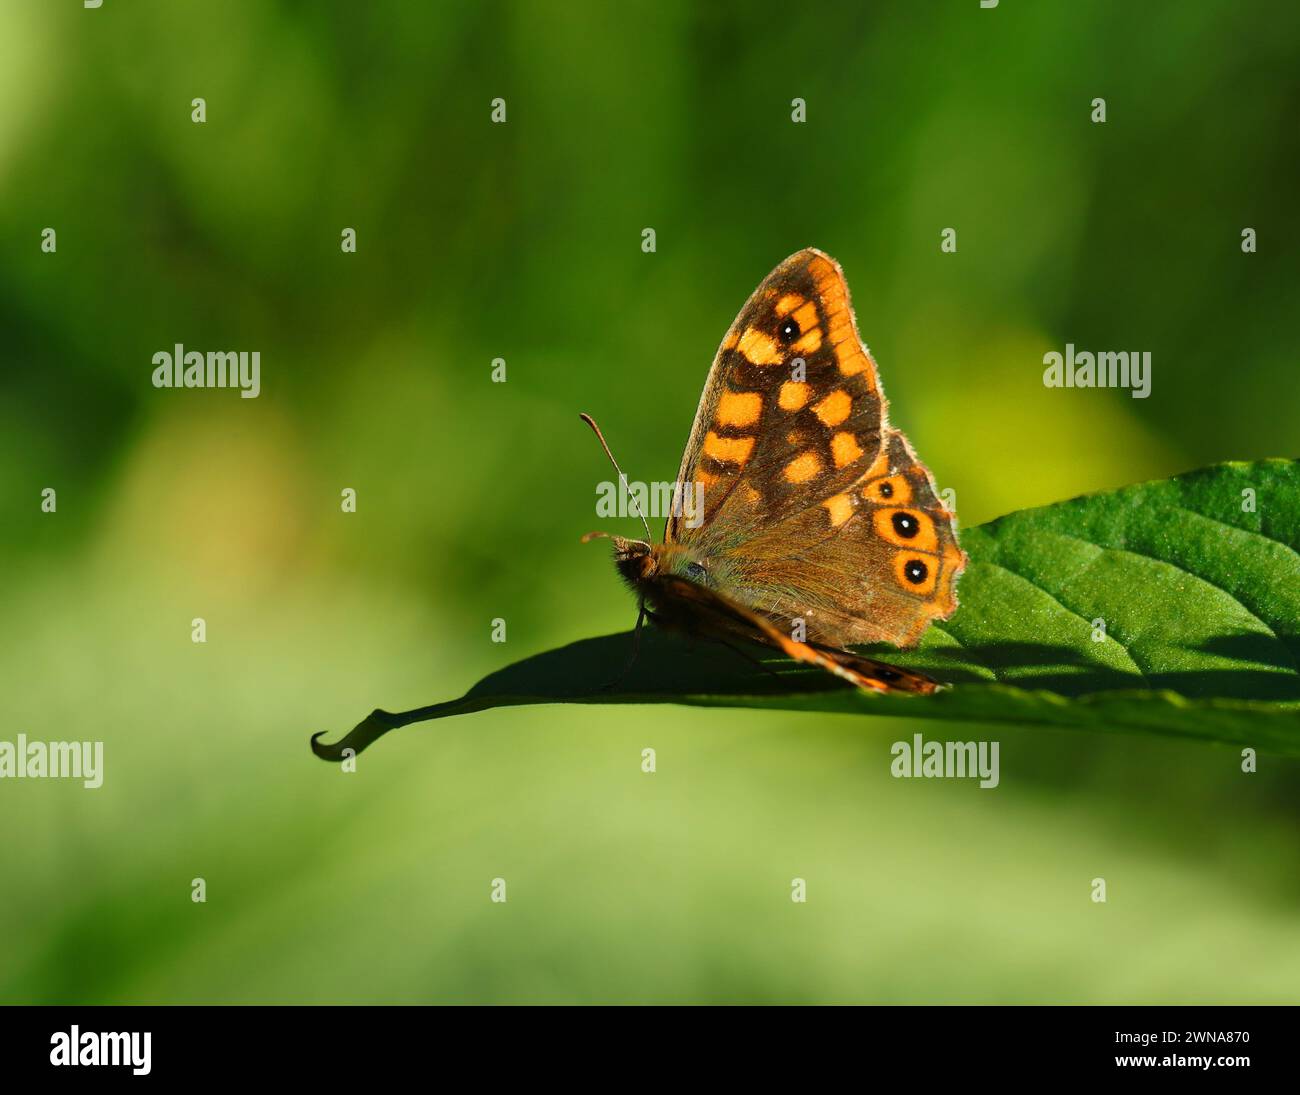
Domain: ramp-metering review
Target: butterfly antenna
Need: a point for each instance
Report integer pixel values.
(621, 477)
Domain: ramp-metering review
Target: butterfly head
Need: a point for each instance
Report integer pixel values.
(637, 561)
(640, 562)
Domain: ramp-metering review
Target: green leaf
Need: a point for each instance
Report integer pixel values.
(1171, 607)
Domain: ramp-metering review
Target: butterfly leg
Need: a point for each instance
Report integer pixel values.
(642, 612)
(751, 659)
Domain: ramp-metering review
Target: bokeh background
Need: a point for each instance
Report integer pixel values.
(522, 241)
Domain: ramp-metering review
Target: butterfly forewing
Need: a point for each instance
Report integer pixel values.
(792, 407)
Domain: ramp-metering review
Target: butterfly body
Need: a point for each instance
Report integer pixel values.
(817, 527)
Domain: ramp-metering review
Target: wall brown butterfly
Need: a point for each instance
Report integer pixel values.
(820, 529)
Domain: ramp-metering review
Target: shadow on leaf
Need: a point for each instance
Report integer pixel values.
(673, 669)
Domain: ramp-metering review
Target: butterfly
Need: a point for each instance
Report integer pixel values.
(816, 527)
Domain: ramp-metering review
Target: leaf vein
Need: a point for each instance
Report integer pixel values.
(1077, 615)
(1199, 577)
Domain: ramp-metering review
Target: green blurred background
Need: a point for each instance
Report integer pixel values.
(522, 241)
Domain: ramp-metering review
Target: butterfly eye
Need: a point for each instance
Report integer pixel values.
(915, 571)
(788, 331)
(696, 573)
(906, 525)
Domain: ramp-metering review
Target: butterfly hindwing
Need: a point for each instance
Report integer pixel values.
(875, 563)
